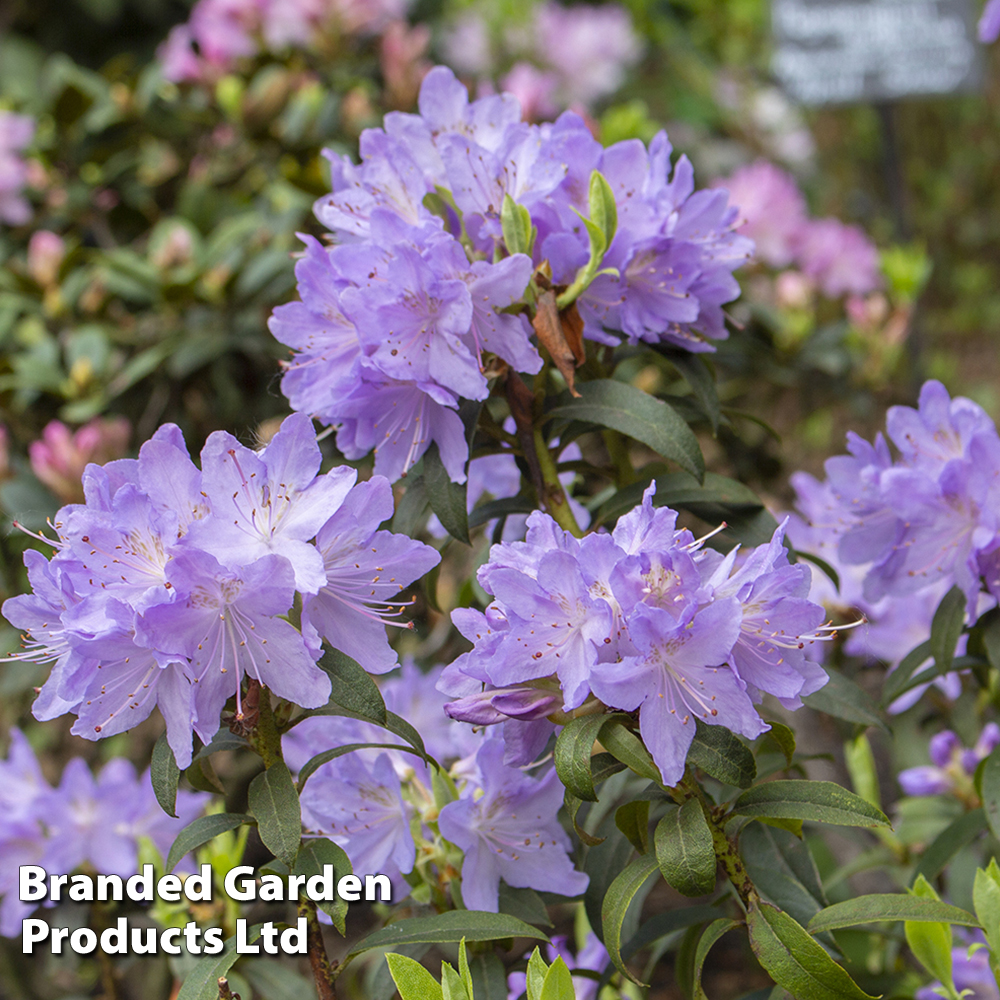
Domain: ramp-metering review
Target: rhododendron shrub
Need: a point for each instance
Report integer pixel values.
(479, 617)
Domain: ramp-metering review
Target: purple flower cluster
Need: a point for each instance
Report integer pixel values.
(97, 822)
(170, 583)
(16, 132)
(952, 765)
(398, 321)
(547, 54)
(220, 32)
(839, 259)
(646, 619)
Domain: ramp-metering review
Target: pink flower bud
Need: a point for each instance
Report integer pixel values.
(46, 252)
(60, 457)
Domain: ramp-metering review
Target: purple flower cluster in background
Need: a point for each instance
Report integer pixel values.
(970, 970)
(169, 583)
(837, 258)
(902, 531)
(401, 319)
(952, 765)
(16, 132)
(85, 821)
(220, 32)
(643, 619)
(547, 53)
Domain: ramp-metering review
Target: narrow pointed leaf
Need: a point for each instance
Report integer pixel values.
(616, 903)
(558, 983)
(354, 693)
(888, 906)
(602, 207)
(574, 746)
(202, 982)
(794, 960)
(783, 870)
(316, 852)
(412, 980)
(311, 766)
(843, 699)
(274, 803)
(715, 930)
(895, 683)
(536, 974)
(201, 831)
(633, 820)
(684, 850)
(624, 745)
(447, 499)
(638, 415)
(816, 801)
(164, 774)
(946, 627)
(958, 834)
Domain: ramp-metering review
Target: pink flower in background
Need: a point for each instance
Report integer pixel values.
(772, 209)
(840, 258)
(16, 132)
(590, 47)
(46, 252)
(403, 61)
(61, 455)
(535, 88)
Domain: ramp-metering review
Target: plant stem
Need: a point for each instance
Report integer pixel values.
(554, 498)
(318, 959)
(266, 738)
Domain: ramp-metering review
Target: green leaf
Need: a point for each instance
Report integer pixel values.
(817, 801)
(353, 693)
(620, 894)
(412, 980)
(895, 683)
(463, 968)
(558, 983)
(625, 746)
(447, 499)
(201, 831)
(518, 232)
(316, 852)
(525, 904)
(398, 725)
(164, 774)
(723, 755)
(684, 850)
(991, 791)
(930, 942)
(224, 739)
(696, 373)
(202, 982)
(986, 898)
(946, 627)
(602, 207)
(662, 924)
(715, 930)
(488, 976)
(958, 834)
(274, 803)
(888, 906)
(452, 926)
(311, 766)
(537, 970)
(782, 868)
(843, 699)
(411, 511)
(499, 508)
(860, 762)
(451, 984)
(794, 960)
(782, 738)
(639, 415)
(633, 820)
(574, 746)
(273, 979)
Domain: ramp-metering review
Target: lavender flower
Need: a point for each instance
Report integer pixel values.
(170, 584)
(593, 956)
(16, 132)
(952, 765)
(989, 22)
(413, 309)
(645, 620)
(82, 822)
(970, 970)
(509, 832)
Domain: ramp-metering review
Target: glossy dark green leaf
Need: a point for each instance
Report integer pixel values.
(895, 683)
(816, 801)
(696, 373)
(316, 852)
(684, 850)
(624, 745)
(632, 819)
(202, 982)
(447, 499)
(224, 739)
(796, 961)
(574, 746)
(353, 693)
(164, 774)
(449, 927)
(843, 699)
(489, 978)
(946, 627)
(783, 870)
(411, 511)
(619, 896)
(499, 508)
(958, 834)
(201, 831)
(781, 737)
(662, 924)
(887, 906)
(525, 904)
(274, 803)
(723, 755)
(638, 415)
